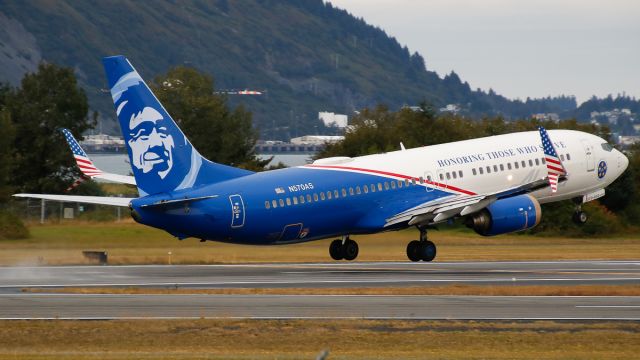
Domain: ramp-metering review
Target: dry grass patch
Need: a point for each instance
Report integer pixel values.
(304, 339)
(501, 290)
(130, 243)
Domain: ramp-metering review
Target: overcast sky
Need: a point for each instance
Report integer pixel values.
(519, 48)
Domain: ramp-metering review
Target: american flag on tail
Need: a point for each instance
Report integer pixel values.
(554, 166)
(84, 163)
(77, 183)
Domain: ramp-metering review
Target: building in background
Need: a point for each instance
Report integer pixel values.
(332, 119)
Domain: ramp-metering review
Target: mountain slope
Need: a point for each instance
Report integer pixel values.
(308, 55)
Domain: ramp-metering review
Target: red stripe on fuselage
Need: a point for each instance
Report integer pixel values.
(444, 186)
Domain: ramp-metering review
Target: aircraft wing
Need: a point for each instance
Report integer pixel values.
(87, 166)
(439, 210)
(100, 200)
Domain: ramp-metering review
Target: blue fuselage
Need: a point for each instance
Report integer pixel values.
(284, 206)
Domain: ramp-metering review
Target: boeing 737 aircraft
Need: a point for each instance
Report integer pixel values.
(496, 183)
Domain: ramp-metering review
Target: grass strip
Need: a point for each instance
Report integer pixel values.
(456, 289)
(305, 339)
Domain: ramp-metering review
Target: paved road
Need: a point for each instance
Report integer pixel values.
(312, 275)
(69, 306)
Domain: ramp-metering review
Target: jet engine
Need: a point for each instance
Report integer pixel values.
(506, 215)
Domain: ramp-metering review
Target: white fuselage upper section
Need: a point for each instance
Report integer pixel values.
(491, 164)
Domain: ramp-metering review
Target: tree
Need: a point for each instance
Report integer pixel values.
(6, 159)
(220, 134)
(46, 101)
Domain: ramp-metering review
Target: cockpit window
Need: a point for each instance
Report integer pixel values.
(607, 147)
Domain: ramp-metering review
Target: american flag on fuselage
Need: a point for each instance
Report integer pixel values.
(554, 166)
(84, 163)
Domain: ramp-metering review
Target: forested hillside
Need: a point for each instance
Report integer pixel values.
(308, 55)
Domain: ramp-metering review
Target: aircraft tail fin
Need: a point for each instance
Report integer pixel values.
(162, 158)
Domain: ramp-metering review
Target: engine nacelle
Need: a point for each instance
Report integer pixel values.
(507, 215)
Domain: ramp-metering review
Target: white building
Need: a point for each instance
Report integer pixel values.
(332, 119)
(316, 140)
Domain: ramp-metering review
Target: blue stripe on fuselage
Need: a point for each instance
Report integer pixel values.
(212, 218)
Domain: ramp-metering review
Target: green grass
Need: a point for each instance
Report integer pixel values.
(130, 243)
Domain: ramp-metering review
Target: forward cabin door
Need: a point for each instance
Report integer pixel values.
(589, 155)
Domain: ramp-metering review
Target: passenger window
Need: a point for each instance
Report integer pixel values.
(295, 200)
(288, 202)
(365, 189)
(301, 199)
(561, 157)
(524, 164)
(568, 156)
(537, 162)
(413, 181)
(488, 169)
(530, 163)
(322, 196)
(393, 184)
(495, 168)
(358, 190)
(373, 188)
(481, 171)
(501, 167)
(344, 192)
(386, 185)
(406, 182)
(267, 205)
(460, 173)
(308, 198)
(281, 202)
(380, 186)
(441, 177)
(350, 191)
(473, 171)
(428, 178)
(399, 184)
(544, 161)
(274, 204)
(421, 180)
(453, 174)
(315, 197)
(336, 194)
(329, 195)
(508, 166)
(516, 165)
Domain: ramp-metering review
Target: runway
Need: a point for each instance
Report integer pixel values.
(315, 275)
(17, 305)
(78, 306)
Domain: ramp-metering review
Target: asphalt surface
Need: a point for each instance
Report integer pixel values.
(14, 304)
(318, 275)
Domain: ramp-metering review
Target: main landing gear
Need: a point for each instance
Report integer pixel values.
(579, 217)
(422, 249)
(344, 248)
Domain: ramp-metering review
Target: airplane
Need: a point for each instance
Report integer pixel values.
(495, 183)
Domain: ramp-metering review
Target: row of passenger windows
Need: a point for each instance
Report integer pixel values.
(391, 185)
(500, 167)
(336, 194)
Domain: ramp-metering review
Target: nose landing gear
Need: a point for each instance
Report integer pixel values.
(422, 249)
(344, 248)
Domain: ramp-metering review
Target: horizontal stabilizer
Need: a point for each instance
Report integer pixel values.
(179, 201)
(100, 200)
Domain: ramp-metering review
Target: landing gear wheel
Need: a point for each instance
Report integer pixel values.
(336, 250)
(580, 217)
(427, 251)
(350, 250)
(413, 250)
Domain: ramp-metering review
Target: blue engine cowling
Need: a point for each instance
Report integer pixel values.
(507, 215)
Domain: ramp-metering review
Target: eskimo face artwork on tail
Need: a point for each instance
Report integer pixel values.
(150, 142)
(162, 159)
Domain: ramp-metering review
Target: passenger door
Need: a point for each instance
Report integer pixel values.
(589, 155)
(237, 211)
